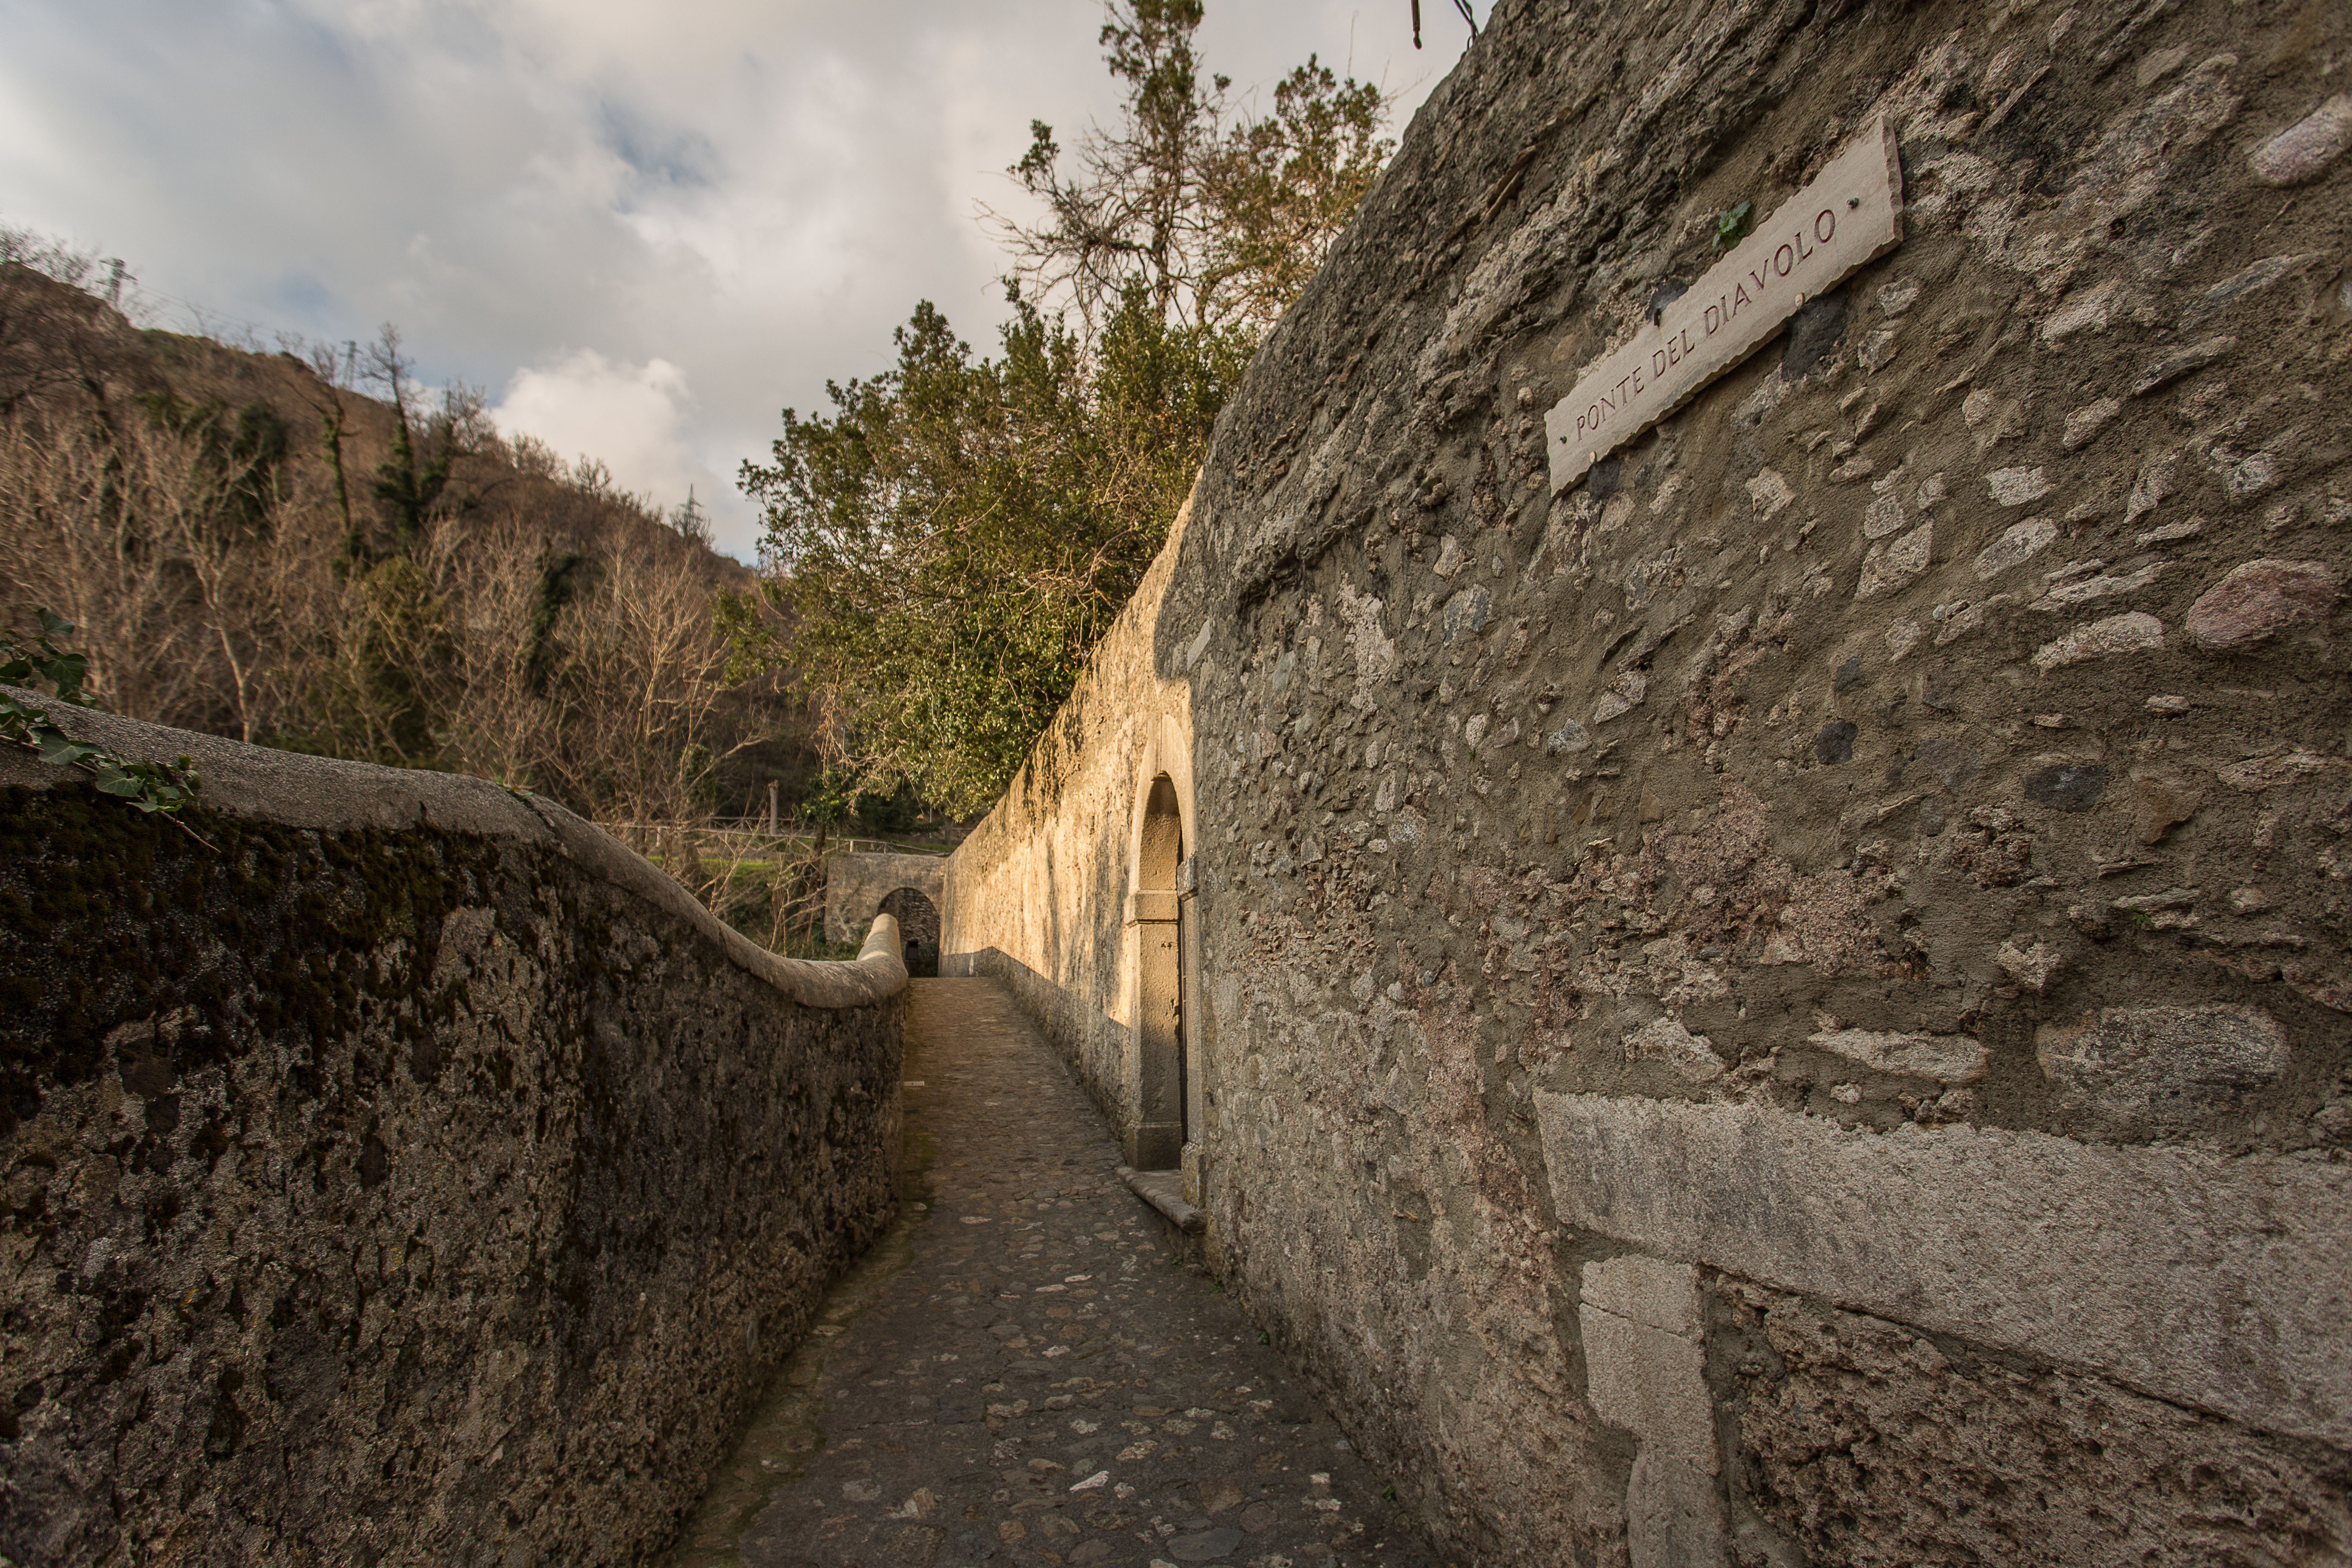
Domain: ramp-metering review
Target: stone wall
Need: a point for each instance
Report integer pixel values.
(397, 1169)
(1787, 1002)
(856, 883)
(1040, 895)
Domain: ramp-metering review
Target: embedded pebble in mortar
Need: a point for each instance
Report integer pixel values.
(1769, 493)
(1664, 1040)
(2305, 149)
(1949, 1059)
(2067, 786)
(2152, 483)
(2138, 632)
(2102, 587)
(2030, 961)
(2020, 544)
(1568, 737)
(1890, 566)
(2018, 487)
(2159, 1069)
(2169, 532)
(2087, 310)
(2087, 421)
(2172, 367)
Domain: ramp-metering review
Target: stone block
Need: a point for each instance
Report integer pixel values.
(1651, 1383)
(1876, 1450)
(2161, 1071)
(1674, 1516)
(1651, 1292)
(2157, 1266)
(2261, 599)
(2303, 150)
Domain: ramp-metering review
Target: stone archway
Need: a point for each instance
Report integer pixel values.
(1155, 919)
(918, 928)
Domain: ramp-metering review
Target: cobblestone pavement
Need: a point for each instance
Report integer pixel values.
(1026, 1370)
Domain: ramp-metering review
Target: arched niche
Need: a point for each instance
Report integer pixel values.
(918, 928)
(1155, 926)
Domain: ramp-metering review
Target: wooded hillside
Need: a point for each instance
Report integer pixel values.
(319, 554)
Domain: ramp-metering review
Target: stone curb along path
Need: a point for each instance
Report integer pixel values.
(1026, 1372)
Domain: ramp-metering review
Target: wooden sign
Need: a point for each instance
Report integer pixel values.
(1852, 213)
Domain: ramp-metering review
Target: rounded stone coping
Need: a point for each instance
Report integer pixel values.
(329, 794)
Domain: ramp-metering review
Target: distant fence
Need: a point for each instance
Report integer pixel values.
(638, 834)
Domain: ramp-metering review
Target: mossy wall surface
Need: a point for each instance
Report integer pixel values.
(393, 1194)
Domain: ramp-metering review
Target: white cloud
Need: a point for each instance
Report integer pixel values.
(594, 204)
(638, 420)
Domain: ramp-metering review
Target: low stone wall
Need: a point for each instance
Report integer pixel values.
(1785, 1000)
(405, 1173)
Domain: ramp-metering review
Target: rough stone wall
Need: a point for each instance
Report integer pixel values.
(1037, 896)
(1788, 1002)
(405, 1174)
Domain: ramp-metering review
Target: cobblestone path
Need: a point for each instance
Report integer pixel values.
(1024, 1371)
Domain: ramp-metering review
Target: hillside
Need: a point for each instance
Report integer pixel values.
(322, 556)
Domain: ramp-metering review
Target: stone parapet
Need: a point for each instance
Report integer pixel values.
(406, 1172)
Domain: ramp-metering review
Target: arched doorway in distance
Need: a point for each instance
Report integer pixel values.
(918, 929)
(1155, 913)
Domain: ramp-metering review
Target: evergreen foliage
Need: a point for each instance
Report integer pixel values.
(947, 543)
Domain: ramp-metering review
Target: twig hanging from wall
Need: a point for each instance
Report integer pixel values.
(1461, 6)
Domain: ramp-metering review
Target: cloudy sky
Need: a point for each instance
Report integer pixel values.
(643, 228)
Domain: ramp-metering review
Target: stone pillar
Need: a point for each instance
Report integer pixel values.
(1192, 1037)
(1645, 1371)
(1156, 1140)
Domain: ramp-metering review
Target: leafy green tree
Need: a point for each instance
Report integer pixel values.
(947, 544)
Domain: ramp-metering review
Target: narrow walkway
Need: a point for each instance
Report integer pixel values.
(1024, 1371)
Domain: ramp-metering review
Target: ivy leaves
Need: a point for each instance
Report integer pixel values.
(162, 787)
(62, 668)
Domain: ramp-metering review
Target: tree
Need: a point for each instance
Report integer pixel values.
(1221, 215)
(945, 547)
